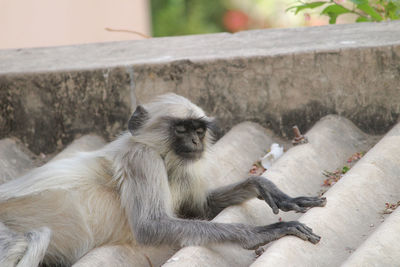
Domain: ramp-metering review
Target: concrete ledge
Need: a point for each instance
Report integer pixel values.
(275, 77)
(197, 48)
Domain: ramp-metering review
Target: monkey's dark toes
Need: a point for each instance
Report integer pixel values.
(301, 210)
(308, 229)
(310, 201)
(307, 233)
(313, 238)
(323, 201)
(292, 205)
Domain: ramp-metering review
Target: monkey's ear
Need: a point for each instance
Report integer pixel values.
(138, 118)
(214, 129)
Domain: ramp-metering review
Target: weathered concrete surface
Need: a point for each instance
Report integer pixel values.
(354, 209)
(297, 172)
(48, 110)
(275, 77)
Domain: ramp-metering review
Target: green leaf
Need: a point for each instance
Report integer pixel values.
(392, 11)
(335, 9)
(345, 169)
(370, 11)
(362, 19)
(395, 2)
(332, 18)
(306, 6)
(359, 2)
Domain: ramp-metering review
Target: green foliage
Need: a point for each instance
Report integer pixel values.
(345, 169)
(333, 11)
(181, 17)
(365, 10)
(303, 6)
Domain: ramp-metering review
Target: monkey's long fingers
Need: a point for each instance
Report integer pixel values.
(308, 229)
(270, 201)
(313, 238)
(302, 231)
(287, 206)
(310, 201)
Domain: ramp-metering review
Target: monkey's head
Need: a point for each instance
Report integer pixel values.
(171, 123)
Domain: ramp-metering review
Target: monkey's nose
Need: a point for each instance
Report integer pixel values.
(195, 140)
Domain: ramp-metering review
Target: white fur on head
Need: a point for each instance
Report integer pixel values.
(174, 106)
(154, 133)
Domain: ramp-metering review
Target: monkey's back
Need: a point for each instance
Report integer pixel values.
(80, 218)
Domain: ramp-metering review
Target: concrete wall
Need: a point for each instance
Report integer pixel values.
(275, 77)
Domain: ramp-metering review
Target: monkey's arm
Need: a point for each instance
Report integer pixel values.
(145, 197)
(260, 187)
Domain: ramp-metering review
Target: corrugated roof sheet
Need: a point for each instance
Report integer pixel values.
(354, 229)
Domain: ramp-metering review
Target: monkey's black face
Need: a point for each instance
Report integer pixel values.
(188, 137)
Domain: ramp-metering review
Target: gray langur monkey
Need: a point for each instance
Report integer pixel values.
(150, 186)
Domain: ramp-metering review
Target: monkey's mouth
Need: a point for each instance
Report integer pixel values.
(190, 154)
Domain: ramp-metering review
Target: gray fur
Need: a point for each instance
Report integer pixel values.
(137, 189)
(155, 221)
(12, 246)
(137, 119)
(262, 188)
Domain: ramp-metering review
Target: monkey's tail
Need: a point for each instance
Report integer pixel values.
(23, 250)
(38, 241)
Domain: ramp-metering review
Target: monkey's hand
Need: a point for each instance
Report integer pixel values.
(278, 200)
(268, 233)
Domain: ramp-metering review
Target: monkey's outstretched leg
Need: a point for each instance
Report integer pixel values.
(23, 250)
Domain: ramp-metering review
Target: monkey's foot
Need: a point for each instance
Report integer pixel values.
(300, 230)
(302, 204)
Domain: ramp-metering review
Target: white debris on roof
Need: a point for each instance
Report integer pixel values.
(275, 153)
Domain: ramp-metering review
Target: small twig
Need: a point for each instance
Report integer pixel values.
(128, 31)
(298, 137)
(148, 260)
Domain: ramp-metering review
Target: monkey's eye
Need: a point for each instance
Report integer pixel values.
(180, 129)
(200, 131)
